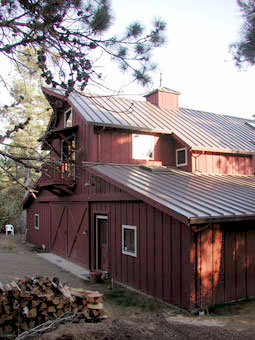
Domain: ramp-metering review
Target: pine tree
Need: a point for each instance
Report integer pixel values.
(70, 34)
(20, 155)
(244, 50)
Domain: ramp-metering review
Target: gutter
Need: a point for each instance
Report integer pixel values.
(240, 152)
(218, 219)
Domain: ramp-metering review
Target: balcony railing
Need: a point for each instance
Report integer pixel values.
(53, 174)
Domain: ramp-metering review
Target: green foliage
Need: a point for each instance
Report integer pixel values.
(22, 150)
(244, 50)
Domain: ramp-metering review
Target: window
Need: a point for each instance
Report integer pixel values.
(181, 157)
(36, 221)
(142, 147)
(129, 240)
(68, 118)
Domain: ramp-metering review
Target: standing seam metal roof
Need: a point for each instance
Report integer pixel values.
(195, 128)
(188, 194)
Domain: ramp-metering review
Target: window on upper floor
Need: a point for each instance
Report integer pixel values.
(142, 147)
(181, 157)
(129, 243)
(68, 118)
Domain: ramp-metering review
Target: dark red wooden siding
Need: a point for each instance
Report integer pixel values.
(225, 263)
(115, 146)
(64, 229)
(40, 236)
(212, 266)
(208, 162)
(163, 266)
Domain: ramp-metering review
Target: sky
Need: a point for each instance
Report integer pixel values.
(195, 60)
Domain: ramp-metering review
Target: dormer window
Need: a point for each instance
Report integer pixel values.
(68, 118)
(142, 147)
(181, 157)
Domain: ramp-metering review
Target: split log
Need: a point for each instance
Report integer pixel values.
(28, 302)
(94, 297)
(97, 306)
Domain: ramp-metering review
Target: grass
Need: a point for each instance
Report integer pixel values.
(126, 298)
(228, 308)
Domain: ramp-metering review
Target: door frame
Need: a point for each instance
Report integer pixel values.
(98, 217)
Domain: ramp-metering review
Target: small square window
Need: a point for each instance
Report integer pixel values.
(36, 221)
(142, 147)
(129, 240)
(68, 118)
(181, 157)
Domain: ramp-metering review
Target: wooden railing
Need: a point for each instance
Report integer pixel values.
(53, 174)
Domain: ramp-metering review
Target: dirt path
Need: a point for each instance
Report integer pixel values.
(131, 316)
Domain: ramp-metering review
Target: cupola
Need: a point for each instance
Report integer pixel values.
(164, 98)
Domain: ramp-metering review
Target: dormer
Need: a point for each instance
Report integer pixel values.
(164, 98)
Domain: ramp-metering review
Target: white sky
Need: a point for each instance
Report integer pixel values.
(196, 59)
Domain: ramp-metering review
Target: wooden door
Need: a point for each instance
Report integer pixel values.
(102, 250)
(78, 234)
(58, 239)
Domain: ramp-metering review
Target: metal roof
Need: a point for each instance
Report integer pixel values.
(196, 197)
(198, 129)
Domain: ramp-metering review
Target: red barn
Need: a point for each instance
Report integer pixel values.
(161, 196)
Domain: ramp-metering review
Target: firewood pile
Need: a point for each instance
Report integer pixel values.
(26, 303)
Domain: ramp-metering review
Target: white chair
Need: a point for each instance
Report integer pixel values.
(9, 228)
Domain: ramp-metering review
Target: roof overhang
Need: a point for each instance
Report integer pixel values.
(218, 219)
(136, 194)
(229, 151)
(57, 134)
(160, 206)
(133, 128)
(54, 133)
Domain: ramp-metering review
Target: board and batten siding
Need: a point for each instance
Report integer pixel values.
(63, 228)
(225, 263)
(115, 146)
(164, 265)
(38, 236)
(219, 163)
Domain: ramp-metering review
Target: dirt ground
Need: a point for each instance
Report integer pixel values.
(130, 315)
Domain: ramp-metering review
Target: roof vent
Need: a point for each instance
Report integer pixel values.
(155, 169)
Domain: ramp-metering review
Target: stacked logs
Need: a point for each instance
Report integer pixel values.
(27, 303)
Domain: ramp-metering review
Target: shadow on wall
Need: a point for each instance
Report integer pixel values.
(208, 162)
(225, 263)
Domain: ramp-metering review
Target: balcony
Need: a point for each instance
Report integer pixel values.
(59, 179)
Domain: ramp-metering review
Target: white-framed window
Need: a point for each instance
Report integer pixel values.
(36, 221)
(68, 117)
(129, 240)
(181, 157)
(142, 146)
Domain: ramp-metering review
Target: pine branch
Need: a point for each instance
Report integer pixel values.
(32, 192)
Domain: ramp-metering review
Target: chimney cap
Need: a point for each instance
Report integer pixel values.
(162, 89)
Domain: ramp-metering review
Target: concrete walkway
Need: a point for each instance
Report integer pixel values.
(72, 268)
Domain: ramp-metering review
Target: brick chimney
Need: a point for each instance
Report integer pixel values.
(164, 98)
